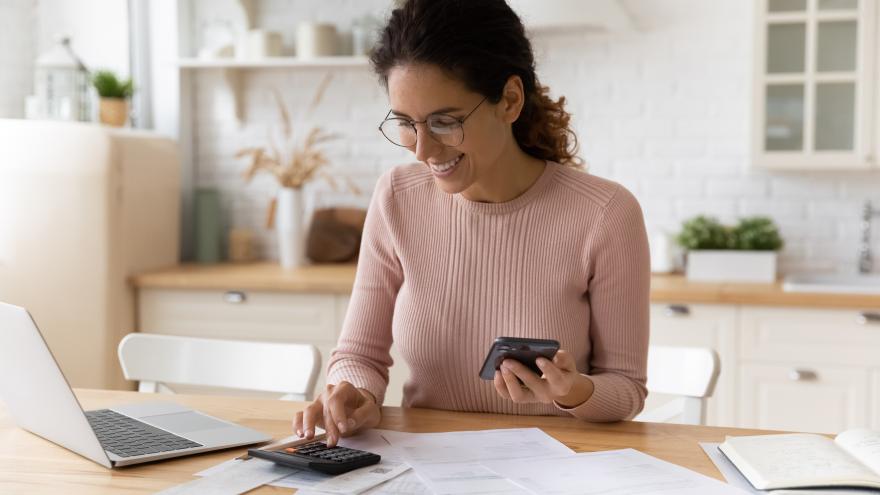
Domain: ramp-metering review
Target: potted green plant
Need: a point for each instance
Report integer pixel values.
(746, 252)
(114, 93)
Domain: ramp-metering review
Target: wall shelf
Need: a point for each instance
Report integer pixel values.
(232, 69)
(273, 62)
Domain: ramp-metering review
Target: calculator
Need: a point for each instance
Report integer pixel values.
(318, 457)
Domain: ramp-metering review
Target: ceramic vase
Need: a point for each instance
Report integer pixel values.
(290, 224)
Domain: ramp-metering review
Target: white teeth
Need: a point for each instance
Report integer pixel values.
(443, 167)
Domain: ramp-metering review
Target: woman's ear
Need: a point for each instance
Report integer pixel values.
(512, 99)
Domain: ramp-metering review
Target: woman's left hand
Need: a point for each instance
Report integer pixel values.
(561, 382)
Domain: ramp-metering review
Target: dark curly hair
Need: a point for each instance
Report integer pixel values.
(481, 43)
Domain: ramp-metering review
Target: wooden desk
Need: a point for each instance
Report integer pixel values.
(29, 464)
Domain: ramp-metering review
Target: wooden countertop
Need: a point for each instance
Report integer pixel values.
(338, 279)
(30, 464)
(325, 278)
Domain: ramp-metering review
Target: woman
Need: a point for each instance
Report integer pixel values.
(494, 232)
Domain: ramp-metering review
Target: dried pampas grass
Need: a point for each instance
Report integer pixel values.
(294, 163)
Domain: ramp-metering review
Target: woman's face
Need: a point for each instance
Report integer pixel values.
(418, 91)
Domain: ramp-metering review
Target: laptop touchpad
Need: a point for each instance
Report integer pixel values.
(184, 422)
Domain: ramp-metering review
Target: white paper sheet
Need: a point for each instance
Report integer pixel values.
(370, 440)
(449, 463)
(407, 483)
(618, 472)
(233, 478)
(359, 480)
(727, 469)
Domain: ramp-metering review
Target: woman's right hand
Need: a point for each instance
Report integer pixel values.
(342, 410)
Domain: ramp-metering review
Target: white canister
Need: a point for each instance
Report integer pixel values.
(315, 40)
(257, 43)
(663, 253)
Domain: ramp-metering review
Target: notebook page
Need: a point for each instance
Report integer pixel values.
(864, 445)
(791, 460)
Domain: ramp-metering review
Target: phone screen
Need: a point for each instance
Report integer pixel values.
(526, 351)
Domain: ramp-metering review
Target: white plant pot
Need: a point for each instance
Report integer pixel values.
(731, 266)
(290, 224)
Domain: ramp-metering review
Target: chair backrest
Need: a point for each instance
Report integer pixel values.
(688, 372)
(285, 368)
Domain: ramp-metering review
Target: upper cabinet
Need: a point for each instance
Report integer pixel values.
(814, 93)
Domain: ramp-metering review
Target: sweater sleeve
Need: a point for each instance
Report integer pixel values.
(618, 292)
(362, 355)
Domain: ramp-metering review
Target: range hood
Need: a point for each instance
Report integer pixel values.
(547, 15)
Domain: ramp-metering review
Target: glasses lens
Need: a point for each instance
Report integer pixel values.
(446, 129)
(399, 132)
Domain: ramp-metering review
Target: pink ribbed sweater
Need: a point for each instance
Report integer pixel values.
(442, 277)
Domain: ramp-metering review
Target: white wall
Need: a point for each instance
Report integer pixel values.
(664, 110)
(17, 21)
(28, 28)
(98, 30)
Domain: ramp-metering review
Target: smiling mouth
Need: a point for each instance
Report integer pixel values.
(444, 167)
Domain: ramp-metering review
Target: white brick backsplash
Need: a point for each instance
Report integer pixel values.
(808, 230)
(809, 187)
(647, 167)
(723, 209)
(861, 187)
(710, 167)
(674, 148)
(681, 187)
(778, 209)
(843, 209)
(664, 110)
(737, 188)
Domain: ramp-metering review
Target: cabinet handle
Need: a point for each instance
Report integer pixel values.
(798, 375)
(868, 317)
(675, 310)
(235, 297)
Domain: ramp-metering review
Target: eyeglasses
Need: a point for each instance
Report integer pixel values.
(445, 129)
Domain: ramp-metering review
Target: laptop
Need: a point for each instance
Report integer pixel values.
(37, 395)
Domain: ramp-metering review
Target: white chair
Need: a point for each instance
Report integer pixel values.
(688, 372)
(157, 360)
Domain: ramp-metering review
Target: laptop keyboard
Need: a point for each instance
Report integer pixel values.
(127, 437)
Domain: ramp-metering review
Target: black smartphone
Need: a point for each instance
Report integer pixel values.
(525, 351)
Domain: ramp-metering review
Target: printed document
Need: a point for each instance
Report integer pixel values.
(621, 472)
(449, 463)
(232, 479)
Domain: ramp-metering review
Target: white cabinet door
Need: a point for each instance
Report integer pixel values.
(806, 369)
(829, 336)
(803, 397)
(701, 325)
(257, 315)
(813, 84)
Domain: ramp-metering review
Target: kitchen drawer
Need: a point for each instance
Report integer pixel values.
(828, 336)
(273, 316)
(803, 397)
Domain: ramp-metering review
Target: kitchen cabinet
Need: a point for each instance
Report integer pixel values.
(806, 369)
(802, 396)
(814, 89)
(701, 325)
(791, 361)
(301, 317)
